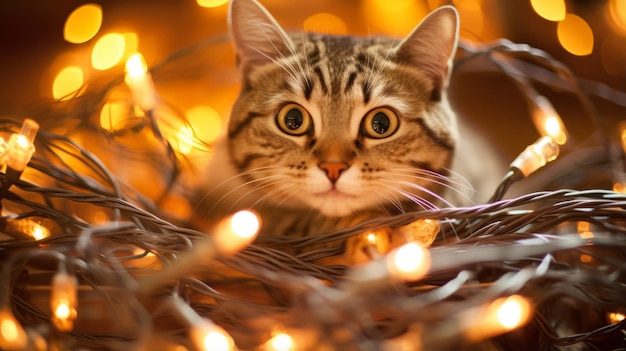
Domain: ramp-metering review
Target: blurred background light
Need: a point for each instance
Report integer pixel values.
(83, 23)
(108, 51)
(575, 35)
(67, 83)
(552, 10)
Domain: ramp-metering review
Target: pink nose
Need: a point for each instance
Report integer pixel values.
(333, 169)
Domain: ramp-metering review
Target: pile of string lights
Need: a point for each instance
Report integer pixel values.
(538, 271)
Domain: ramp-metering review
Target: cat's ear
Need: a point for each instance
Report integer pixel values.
(431, 46)
(258, 38)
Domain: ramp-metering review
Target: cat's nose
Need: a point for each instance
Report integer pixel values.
(333, 169)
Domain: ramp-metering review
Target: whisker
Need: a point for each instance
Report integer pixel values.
(420, 188)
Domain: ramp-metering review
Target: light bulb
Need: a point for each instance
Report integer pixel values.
(408, 262)
(21, 148)
(498, 317)
(208, 336)
(63, 301)
(548, 122)
(615, 317)
(423, 231)
(536, 155)
(12, 335)
(280, 342)
(140, 83)
(237, 231)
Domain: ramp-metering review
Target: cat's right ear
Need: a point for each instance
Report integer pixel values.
(258, 38)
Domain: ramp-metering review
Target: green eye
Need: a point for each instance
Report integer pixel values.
(380, 123)
(293, 119)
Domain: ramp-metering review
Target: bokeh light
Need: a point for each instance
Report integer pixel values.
(211, 3)
(471, 17)
(575, 35)
(108, 51)
(552, 10)
(396, 18)
(67, 83)
(206, 121)
(113, 115)
(617, 13)
(83, 23)
(324, 22)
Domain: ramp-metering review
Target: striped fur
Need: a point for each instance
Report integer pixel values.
(338, 80)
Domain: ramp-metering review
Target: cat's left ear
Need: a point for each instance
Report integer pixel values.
(431, 46)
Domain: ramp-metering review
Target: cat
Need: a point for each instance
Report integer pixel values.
(330, 130)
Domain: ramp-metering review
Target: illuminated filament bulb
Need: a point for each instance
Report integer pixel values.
(615, 317)
(408, 262)
(21, 148)
(12, 335)
(548, 122)
(536, 155)
(140, 83)
(498, 317)
(206, 335)
(63, 301)
(280, 342)
(236, 232)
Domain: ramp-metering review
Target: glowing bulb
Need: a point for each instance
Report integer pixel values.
(21, 148)
(140, 83)
(622, 134)
(83, 23)
(108, 51)
(371, 238)
(512, 312)
(67, 83)
(63, 301)
(615, 317)
(185, 140)
(575, 35)
(548, 122)
(280, 342)
(423, 231)
(12, 335)
(39, 232)
(408, 262)
(500, 316)
(552, 10)
(536, 155)
(237, 231)
(206, 335)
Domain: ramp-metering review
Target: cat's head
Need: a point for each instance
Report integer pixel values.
(342, 124)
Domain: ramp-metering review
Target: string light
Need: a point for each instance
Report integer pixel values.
(140, 83)
(615, 317)
(280, 342)
(408, 262)
(497, 317)
(536, 155)
(237, 231)
(12, 335)
(547, 120)
(21, 147)
(207, 336)
(423, 231)
(63, 300)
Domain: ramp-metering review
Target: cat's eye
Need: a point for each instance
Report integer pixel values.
(380, 123)
(293, 119)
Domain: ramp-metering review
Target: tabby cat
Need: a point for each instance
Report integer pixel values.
(330, 130)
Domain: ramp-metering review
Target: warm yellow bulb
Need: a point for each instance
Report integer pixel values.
(136, 67)
(237, 231)
(548, 122)
(83, 23)
(513, 312)
(208, 336)
(552, 10)
(408, 262)
(67, 83)
(616, 317)
(108, 51)
(280, 342)
(211, 3)
(536, 155)
(575, 35)
(12, 335)
(63, 301)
